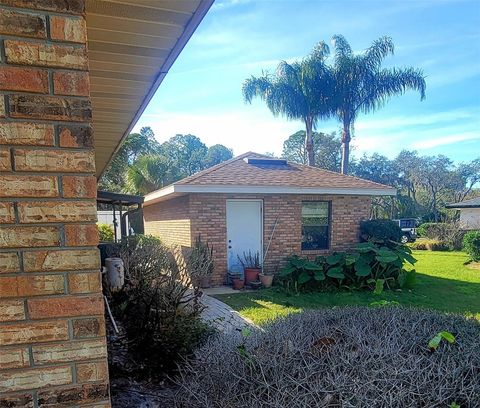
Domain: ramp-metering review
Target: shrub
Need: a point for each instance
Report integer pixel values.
(340, 357)
(157, 306)
(471, 245)
(429, 244)
(105, 232)
(369, 264)
(448, 233)
(380, 231)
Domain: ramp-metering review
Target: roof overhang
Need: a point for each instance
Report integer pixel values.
(132, 45)
(458, 206)
(176, 190)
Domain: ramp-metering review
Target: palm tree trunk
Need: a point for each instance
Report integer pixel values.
(345, 146)
(309, 142)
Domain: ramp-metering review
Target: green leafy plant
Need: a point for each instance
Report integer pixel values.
(437, 339)
(370, 266)
(471, 245)
(105, 232)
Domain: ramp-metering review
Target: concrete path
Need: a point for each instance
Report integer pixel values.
(223, 317)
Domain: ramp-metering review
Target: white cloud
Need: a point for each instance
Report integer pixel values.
(446, 140)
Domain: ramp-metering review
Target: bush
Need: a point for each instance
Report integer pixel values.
(381, 231)
(369, 266)
(429, 244)
(340, 357)
(471, 245)
(105, 232)
(449, 234)
(157, 306)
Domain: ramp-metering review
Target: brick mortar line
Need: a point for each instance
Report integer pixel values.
(40, 12)
(45, 121)
(49, 93)
(45, 40)
(51, 148)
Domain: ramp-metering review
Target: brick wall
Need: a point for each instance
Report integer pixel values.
(52, 329)
(169, 221)
(207, 215)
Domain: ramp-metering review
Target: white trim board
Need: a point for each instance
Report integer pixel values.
(181, 189)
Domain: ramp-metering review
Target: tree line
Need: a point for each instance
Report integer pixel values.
(424, 183)
(143, 165)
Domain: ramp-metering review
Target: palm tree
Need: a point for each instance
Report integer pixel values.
(149, 173)
(297, 91)
(361, 85)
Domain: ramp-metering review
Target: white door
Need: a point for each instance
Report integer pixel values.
(244, 231)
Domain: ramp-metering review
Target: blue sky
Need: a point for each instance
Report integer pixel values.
(202, 95)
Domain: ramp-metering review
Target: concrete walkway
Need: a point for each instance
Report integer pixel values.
(223, 317)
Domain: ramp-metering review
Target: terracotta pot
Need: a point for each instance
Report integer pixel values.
(251, 274)
(266, 280)
(238, 283)
(205, 282)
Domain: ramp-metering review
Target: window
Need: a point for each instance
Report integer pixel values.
(315, 225)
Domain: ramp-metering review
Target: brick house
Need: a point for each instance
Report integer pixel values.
(66, 65)
(253, 202)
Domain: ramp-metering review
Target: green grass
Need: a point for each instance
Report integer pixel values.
(443, 283)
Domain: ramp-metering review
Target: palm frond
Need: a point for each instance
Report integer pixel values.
(378, 51)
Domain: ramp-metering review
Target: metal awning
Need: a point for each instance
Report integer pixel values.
(106, 197)
(132, 45)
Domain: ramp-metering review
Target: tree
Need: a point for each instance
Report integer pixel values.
(362, 85)
(298, 91)
(188, 152)
(326, 150)
(149, 173)
(135, 145)
(217, 154)
(469, 176)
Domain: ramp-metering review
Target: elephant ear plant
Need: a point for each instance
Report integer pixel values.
(368, 266)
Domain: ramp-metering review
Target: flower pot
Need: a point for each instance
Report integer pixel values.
(266, 280)
(251, 274)
(238, 283)
(205, 282)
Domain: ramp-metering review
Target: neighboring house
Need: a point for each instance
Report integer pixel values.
(259, 204)
(75, 76)
(469, 213)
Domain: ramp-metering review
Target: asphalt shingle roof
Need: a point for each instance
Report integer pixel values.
(240, 173)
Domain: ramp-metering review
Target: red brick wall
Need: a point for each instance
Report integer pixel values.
(207, 213)
(52, 329)
(169, 221)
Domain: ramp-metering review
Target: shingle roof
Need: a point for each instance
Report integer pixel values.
(240, 173)
(472, 203)
(237, 176)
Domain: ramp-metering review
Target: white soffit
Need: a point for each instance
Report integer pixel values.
(132, 44)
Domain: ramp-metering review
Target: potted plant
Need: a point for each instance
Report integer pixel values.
(251, 266)
(266, 278)
(237, 282)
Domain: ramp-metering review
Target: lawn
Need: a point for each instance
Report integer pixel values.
(443, 283)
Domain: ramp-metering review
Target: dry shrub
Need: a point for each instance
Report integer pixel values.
(158, 308)
(340, 357)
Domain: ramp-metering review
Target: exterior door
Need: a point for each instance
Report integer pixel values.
(244, 231)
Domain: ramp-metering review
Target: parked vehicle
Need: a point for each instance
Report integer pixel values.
(409, 229)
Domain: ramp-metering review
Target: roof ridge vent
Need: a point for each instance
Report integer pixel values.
(268, 161)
